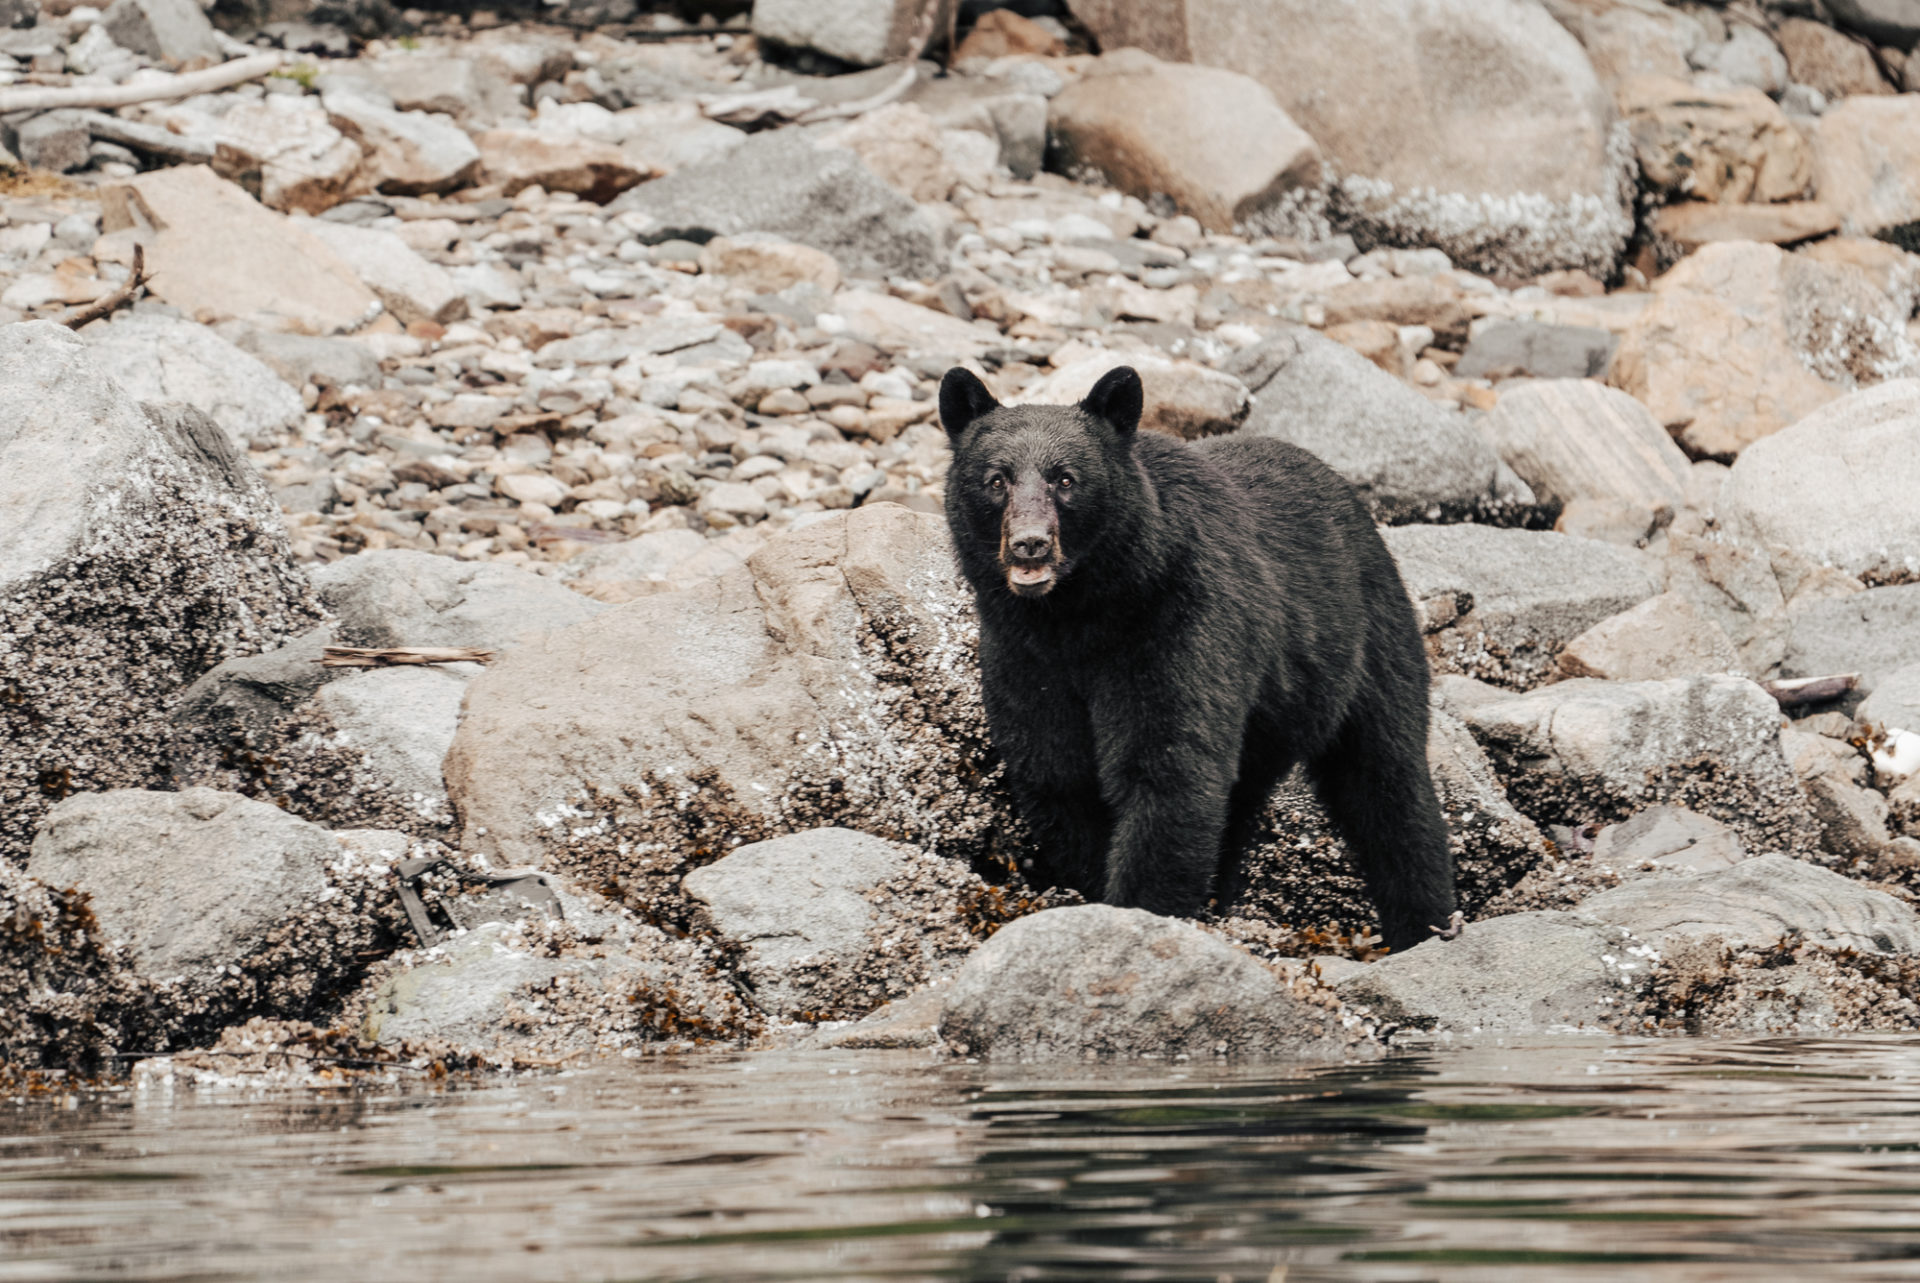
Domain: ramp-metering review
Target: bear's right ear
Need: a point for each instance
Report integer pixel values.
(963, 398)
(1117, 398)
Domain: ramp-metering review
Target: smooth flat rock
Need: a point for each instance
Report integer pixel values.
(403, 598)
(1865, 153)
(1757, 903)
(1692, 224)
(1522, 973)
(865, 33)
(1672, 838)
(1067, 984)
(189, 881)
(216, 254)
(137, 551)
(411, 288)
(401, 721)
(1895, 701)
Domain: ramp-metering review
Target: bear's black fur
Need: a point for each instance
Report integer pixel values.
(1166, 630)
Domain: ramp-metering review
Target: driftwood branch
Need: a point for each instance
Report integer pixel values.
(1791, 692)
(389, 656)
(861, 106)
(224, 76)
(136, 278)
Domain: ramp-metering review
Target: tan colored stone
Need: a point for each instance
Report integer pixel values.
(1214, 141)
(217, 254)
(1867, 162)
(1716, 357)
(1662, 637)
(894, 324)
(1001, 33)
(901, 144)
(1730, 145)
(1836, 64)
(408, 153)
(1378, 341)
(764, 264)
(1892, 270)
(521, 158)
(1692, 224)
(1183, 398)
(1635, 38)
(1576, 439)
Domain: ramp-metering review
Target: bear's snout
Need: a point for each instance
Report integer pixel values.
(1030, 540)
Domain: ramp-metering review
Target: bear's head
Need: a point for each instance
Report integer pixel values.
(1034, 488)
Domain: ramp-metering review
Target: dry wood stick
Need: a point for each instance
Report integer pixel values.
(224, 76)
(1791, 692)
(91, 312)
(387, 656)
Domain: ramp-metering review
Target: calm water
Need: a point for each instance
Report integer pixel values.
(1577, 1159)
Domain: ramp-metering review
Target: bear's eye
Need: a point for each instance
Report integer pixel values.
(1065, 481)
(996, 483)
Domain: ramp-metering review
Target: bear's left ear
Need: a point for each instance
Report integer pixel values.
(1117, 398)
(963, 398)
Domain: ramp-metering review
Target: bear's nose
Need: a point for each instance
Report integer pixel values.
(1031, 545)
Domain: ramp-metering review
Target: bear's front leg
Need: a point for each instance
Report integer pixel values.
(1167, 777)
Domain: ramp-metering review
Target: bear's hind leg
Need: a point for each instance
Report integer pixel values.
(1377, 789)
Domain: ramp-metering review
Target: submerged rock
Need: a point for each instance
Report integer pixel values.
(1099, 981)
(137, 551)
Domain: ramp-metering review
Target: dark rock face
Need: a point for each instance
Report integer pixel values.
(137, 551)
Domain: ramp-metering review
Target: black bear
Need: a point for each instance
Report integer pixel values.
(1166, 630)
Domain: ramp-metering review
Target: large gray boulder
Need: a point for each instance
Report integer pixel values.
(188, 882)
(137, 551)
(1094, 980)
(1523, 973)
(358, 748)
(1888, 22)
(1584, 749)
(1212, 141)
(1476, 126)
(781, 183)
(1410, 459)
(165, 358)
(1501, 604)
(1838, 485)
(1757, 903)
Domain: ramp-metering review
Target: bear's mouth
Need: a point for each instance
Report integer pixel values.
(1031, 579)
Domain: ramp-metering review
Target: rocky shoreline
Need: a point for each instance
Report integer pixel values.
(605, 358)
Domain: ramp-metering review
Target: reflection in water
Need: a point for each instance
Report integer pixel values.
(1576, 1159)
